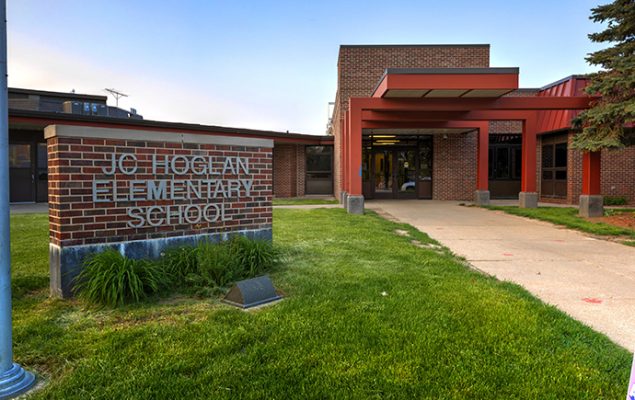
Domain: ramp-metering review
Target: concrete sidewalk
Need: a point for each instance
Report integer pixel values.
(590, 279)
(29, 208)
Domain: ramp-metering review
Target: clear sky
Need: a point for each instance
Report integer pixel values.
(269, 64)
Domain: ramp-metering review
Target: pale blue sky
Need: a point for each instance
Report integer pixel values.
(268, 64)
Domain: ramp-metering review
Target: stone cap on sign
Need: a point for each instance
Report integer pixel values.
(155, 136)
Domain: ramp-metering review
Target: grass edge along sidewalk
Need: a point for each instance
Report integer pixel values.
(568, 217)
(368, 314)
(302, 201)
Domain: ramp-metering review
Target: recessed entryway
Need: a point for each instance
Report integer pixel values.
(397, 167)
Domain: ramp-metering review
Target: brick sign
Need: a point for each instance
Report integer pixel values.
(142, 191)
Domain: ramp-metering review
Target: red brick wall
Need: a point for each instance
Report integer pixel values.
(454, 167)
(361, 67)
(618, 173)
(74, 163)
(574, 172)
(289, 165)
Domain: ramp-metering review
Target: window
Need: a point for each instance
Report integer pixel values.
(318, 158)
(19, 155)
(554, 161)
(505, 157)
(319, 169)
(554, 167)
(42, 155)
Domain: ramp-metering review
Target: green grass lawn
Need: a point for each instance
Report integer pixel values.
(302, 201)
(568, 216)
(367, 315)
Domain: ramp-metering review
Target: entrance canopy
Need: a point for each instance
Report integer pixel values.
(446, 82)
(453, 98)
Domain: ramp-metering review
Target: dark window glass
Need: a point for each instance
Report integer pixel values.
(561, 155)
(561, 175)
(518, 162)
(318, 158)
(318, 175)
(19, 156)
(547, 156)
(365, 163)
(505, 139)
(42, 155)
(547, 175)
(502, 163)
(490, 164)
(425, 161)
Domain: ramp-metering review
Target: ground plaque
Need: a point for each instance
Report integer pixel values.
(142, 191)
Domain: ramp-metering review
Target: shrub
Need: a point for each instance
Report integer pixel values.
(109, 278)
(254, 256)
(615, 200)
(216, 265)
(180, 262)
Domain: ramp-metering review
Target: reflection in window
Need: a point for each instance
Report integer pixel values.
(505, 157)
(425, 162)
(518, 163)
(318, 158)
(547, 156)
(19, 155)
(502, 163)
(554, 167)
(561, 155)
(42, 155)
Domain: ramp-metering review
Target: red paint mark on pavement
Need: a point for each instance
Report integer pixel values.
(559, 240)
(508, 254)
(592, 300)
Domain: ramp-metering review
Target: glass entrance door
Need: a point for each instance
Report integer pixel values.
(383, 176)
(405, 173)
(400, 169)
(395, 174)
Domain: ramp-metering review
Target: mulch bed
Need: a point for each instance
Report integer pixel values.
(623, 220)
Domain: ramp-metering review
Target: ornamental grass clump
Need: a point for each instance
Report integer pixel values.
(254, 256)
(180, 262)
(220, 264)
(111, 279)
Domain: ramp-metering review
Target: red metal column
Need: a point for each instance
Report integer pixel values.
(591, 171)
(344, 155)
(355, 149)
(528, 174)
(482, 169)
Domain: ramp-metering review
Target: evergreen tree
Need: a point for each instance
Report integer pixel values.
(602, 126)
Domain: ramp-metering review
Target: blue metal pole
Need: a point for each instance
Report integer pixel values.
(14, 380)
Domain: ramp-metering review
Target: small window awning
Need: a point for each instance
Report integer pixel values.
(446, 82)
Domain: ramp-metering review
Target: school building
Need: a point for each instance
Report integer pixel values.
(409, 122)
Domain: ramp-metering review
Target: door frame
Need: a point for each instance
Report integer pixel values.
(394, 158)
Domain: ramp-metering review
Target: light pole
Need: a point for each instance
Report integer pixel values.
(14, 380)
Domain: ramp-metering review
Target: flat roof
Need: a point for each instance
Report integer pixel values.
(416, 45)
(48, 118)
(57, 94)
(418, 71)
